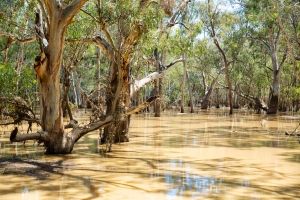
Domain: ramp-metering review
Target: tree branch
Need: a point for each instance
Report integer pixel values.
(173, 63)
(182, 6)
(81, 131)
(141, 106)
(14, 38)
(72, 9)
(138, 84)
(40, 135)
(99, 41)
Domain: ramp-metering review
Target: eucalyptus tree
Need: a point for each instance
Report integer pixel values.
(51, 21)
(220, 25)
(265, 26)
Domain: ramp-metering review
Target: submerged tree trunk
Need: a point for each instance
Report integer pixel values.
(191, 102)
(272, 48)
(158, 83)
(229, 88)
(117, 100)
(275, 88)
(182, 100)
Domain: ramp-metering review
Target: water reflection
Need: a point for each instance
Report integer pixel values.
(198, 185)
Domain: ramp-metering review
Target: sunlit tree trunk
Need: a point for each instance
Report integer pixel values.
(272, 47)
(48, 67)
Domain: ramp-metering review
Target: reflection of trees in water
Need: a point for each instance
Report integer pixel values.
(199, 185)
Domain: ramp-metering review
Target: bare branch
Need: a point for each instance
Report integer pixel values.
(173, 63)
(138, 84)
(78, 132)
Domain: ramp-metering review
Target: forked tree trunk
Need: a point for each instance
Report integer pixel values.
(205, 100)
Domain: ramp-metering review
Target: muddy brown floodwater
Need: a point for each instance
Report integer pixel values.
(208, 155)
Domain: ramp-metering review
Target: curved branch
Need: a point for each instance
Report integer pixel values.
(99, 41)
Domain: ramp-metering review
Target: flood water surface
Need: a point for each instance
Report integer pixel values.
(208, 155)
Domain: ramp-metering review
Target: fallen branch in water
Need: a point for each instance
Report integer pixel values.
(294, 132)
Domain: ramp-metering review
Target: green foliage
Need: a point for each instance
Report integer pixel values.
(8, 79)
(12, 84)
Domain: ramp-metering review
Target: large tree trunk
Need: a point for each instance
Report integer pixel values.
(47, 67)
(274, 93)
(272, 48)
(51, 116)
(275, 88)
(205, 100)
(49, 79)
(118, 97)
